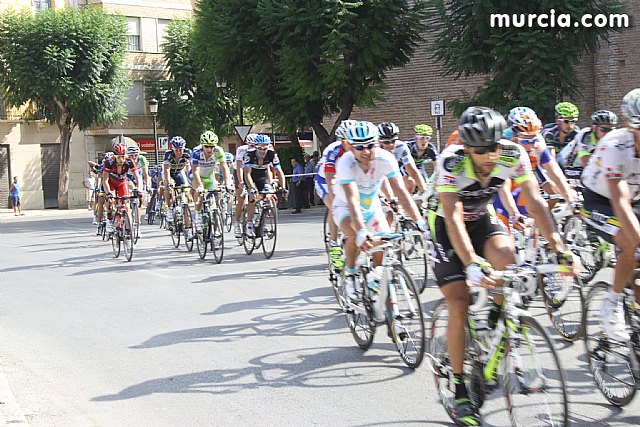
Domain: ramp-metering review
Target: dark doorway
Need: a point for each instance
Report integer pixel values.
(50, 164)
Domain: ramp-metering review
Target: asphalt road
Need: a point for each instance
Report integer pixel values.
(170, 340)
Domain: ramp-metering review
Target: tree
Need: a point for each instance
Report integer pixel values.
(532, 66)
(297, 61)
(188, 101)
(68, 65)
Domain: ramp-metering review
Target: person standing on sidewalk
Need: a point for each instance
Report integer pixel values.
(15, 196)
(309, 190)
(298, 184)
(89, 184)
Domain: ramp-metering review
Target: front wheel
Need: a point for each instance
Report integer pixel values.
(563, 298)
(533, 381)
(360, 316)
(269, 231)
(406, 317)
(136, 222)
(115, 239)
(217, 237)
(414, 254)
(202, 239)
(611, 362)
(188, 227)
(128, 238)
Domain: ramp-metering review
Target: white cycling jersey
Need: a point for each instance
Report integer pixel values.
(241, 152)
(615, 157)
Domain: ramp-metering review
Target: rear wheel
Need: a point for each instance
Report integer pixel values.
(576, 236)
(325, 230)
(188, 227)
(360, 318)
(562, 296)
(248, 242)
(202, 239)
(136, 221)
(176, 231)
(217, 237)
(268, 233)
(128, 239)
(611, 362)
(115, 238)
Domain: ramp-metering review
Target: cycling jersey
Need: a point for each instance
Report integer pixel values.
(177, 164)
(403, 156)
(118, 178)
(330, 156)
(260, 166)
(458, 176)
(206, 166)
(551, 134)
(586, 143)
(429, 156)
(613, 158)
(141, 163)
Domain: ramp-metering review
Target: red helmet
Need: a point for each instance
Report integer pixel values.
(120, 150)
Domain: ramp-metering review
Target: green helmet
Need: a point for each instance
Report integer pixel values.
(567, 109)
(423, 130)
(209, 138)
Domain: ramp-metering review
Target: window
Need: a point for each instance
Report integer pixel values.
(133, 33)
(41, 5)
(162, 32)
(134, 100)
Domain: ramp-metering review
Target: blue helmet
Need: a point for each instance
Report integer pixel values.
(362, 132)
(251, 138)
(262, 140)
(178, 142)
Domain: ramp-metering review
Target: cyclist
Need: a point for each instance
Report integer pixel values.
(114, 177)
(564, 130)
(257, 175)
(176, 161)
(156, 185)
(388, 137)
(323, 182)
(422, 151)
(462, 231)
(204, 159)
(142, 165)
(356, 206)
(525, 125)
(241, 192)
(602, 122)
(231, 165)
(611, 206)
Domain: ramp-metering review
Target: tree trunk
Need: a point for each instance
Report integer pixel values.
(293, 137)
(66, 128)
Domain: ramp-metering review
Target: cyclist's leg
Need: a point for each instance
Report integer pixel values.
(376, 222)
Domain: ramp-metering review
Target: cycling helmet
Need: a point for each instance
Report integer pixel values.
(604, 117)
(251, 138)
(525, 120)
(178, 142)
(133, 150)
(362, 132)
(631, 108)
(423, 130)
(507, 134)
(566, 109)
(209, 138)
(481, 127)
(341, 131)
(388, 130)
(228, 157)
(262, 140)
(119, 149)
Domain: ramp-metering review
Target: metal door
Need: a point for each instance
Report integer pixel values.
(50, 164)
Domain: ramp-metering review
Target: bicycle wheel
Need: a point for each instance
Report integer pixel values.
(532, 378)
(406, 318)
(103, 231)
(188, 227)
(325, 230)
(413, 252)
(269, 231)
(576, 237)
(151, 210)
(217, 237)
(128, 238)
(136, 221)
(360, 318)
(249, 243)
(202, 239)
(564, 301)
(115, 238)
(228, 215)
(611, 362)
(176, 231)
(439, 359)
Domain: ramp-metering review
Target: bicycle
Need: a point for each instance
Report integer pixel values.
(135, 218)
(154, 206)
(518, 355)
(122, 230)
(227, 204)
(182, 220)
(265, 230)
(615, 365)
(396, 303)
(212, 233)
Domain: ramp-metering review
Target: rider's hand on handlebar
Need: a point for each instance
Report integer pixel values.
(517, 221)
(479, 274)
(568, 258)
(200, 189)
(364, 240)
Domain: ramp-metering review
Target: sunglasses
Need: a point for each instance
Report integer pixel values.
(428, 138)
(569, 121)
(261, 148)
(605, 130)
(121, 157)
(388, 141)
(484, 150)
(526, 141)
(207, 146)
(361, 147)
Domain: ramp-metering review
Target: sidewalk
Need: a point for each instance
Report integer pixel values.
(8, 215)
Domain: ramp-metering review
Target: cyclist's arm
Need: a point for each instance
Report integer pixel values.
(453, 212)
(281, 178)
(413, 172)
(407, 203)
(558, 178)
(225, 173)
(240, 169)
(539, 210)
(247, 178)
(197, 182)
(386, 189)
(506, 197)
(105, 182)
(146, 178)
(621, 203)
(165, 172)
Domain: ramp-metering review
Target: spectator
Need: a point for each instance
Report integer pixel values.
(298, 184)
(89, 184)
(309, 170)
(15, 196)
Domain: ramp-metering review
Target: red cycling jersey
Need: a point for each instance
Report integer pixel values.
(118, 175)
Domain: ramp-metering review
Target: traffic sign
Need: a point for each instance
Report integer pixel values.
(163, 142)
(243, 131)
(437, 108)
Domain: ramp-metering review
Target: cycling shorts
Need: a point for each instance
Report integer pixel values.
(321, 186)
(209, 183)
(120, 188)
(179, 179)
(597, 213)
(374, 219)
(447, 267)
(261, 179)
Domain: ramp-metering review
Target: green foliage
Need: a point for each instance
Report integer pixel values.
(188, 101)
(296, 61)
(523, 66)
(286, 153)
(67, 63)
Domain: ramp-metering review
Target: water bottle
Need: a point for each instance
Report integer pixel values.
(375, 292)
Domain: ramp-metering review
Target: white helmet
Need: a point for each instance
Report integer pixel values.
(631, 108)
(341, 131)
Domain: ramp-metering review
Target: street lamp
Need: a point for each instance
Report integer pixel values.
(153, 109)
